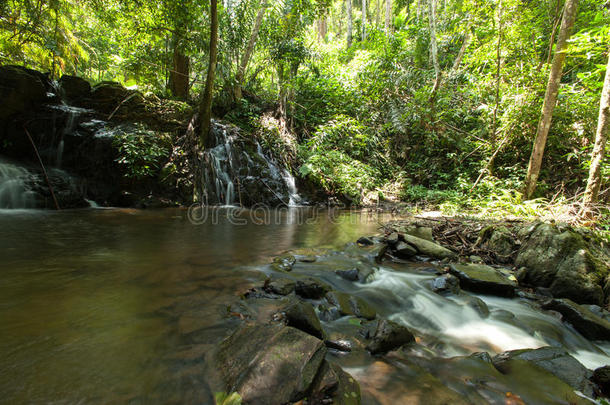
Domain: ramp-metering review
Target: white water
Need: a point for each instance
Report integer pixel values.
(512, 324)
(14, 192)
(225, 164)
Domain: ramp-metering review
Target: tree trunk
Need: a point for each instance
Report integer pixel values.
(460, 55)
(350, 23)
(245, 59)
(498, 67)
(205, 110)
(322, 28)
(388, 16)
(377, 14)
(179, 76)
(550, 98)
(434, 49)
(597, 157)
(364, 20)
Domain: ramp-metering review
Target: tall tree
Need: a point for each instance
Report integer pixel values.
(350, 23)
(205, 109)
(179, 74)
(364, 9)
(597, 156)
(388, 15)
(434, 48)
(550, 97)
(245, 59)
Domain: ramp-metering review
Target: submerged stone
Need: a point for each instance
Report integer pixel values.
(554, 360)
(351, 305)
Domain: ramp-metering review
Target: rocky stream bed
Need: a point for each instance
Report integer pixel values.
(321, 321)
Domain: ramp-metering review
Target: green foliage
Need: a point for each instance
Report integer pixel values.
(343, 158)
(222, 398)
(141, 151)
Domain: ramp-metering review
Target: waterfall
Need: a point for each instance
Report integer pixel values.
(237, 170)
(14, 189)
(69, 118)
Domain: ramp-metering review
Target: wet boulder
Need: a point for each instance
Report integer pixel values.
(404, 250)
(270, 364)
(280, 286)
(365, 241)
(389, 336)
(558, 258)
(351, 305)
(74, 88)
(554, 360)
(446, 284)
(350, 275)
(582, 318)
(21, 90)
(601, 377)
(426, 248)
(335, 386)
(283, 262)
(302, 315)
(311, 288)
(483, 279)
(107, 97)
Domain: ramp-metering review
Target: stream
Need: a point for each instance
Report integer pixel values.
(121, 305)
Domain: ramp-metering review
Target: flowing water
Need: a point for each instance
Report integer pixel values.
(122, 306)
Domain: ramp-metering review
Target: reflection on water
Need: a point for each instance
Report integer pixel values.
(123, 306)
(119, 305)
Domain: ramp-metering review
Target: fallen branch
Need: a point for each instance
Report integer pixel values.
(44, 171)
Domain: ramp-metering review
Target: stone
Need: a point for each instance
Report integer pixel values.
(554, 360)
(365, 241)
(446, 284)
(404, 250)
(270, 364)
(388, 336)
(280, 286)
(311, 288)
(329, 314)
(348, 389)
(283, 262)
(340, 345)
(21, 89)
(500, 241)
(351, 305)
(483, 279)
(350, 275)
(582, 319)
(422, 232)
(391, 239)
(601, 377)
(302, 315)
(558, 258)
(430, 249)
(107, 96)
(74, 88)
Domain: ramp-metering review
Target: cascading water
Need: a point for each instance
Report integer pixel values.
(14, 189)
(237, 171)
